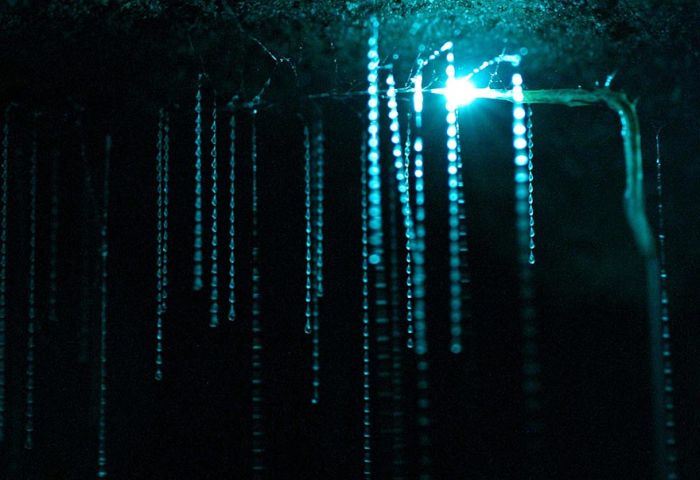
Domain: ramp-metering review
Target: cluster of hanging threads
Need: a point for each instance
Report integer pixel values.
(102, 422)
(669, 420)
(530, 187)
(231, 219)
(198, 242)
(214, 294)
(319, 154)
(366, 392)
(421, 345)
(162, 180)
(53, 240)
(531, 367)
(31, 324)
(256, 379)
(4, 167)
(454, 210)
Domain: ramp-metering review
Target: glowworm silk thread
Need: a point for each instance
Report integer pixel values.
(232, 222)
(102, 422)
(198, 242)
(31, 323)
(214, 294)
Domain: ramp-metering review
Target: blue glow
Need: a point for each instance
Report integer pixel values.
(198, 242)
(214, 280)
(232, 221)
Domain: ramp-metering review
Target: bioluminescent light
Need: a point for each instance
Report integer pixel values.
(198, 271)
(102, 410)
(530, 185)
(319, 154)
(531, 366)
(4, 186)
(53, 240)
(31, 314)
(459, 91)
(366, 392)
(258, 445)
(214, 280)
(669, 433)
(307, 218)
(453, 198)
(232, 220)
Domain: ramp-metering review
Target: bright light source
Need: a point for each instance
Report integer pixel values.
(459, 91)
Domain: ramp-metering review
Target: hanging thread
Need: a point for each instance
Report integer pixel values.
(257, 380)
(53, 241)
(366, 392)
(419, 288)
(198, 242)
(231, 219)
(162, 160)
(410, 234)
(530, 186)
(214, 294)
(454, 210)
(318, 257)
(102, 423)
(31, 324)
(669, 420)
(531, 366)
(308, 231)
(3, 261)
